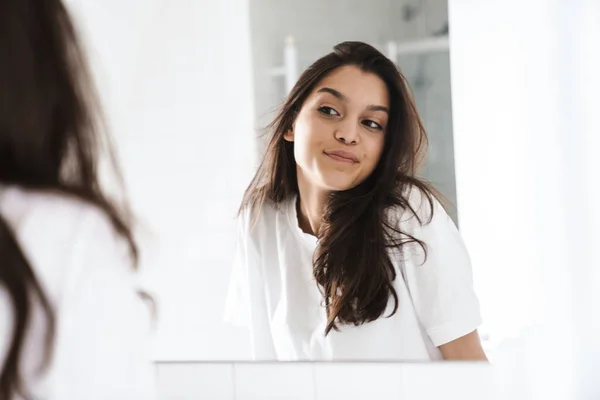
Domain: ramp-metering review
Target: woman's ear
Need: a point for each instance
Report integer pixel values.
(289, 135)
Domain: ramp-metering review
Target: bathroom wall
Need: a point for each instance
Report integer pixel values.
(306, 381)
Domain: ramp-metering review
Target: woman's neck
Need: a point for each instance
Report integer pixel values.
(310, 206)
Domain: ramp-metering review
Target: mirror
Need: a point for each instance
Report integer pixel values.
(188, 95)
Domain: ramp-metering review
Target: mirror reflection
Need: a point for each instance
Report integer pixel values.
(289, 189)
(342, 251)
(347, 246)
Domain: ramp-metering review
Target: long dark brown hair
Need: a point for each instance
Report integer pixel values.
(351, 264)
(50, 140)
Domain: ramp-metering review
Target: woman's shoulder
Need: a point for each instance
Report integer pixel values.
(56, 231)
(417, 206)
(264, 216)
(35, 212)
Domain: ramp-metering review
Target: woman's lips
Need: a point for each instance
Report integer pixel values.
(342, 156)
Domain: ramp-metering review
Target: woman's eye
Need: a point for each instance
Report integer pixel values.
(372, 124)
(328, 111)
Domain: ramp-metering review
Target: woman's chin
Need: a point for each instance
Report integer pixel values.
(339, 184)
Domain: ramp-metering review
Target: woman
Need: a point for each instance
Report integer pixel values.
(343, 254)
(71, 323)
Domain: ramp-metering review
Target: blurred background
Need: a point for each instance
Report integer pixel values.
(509, 100)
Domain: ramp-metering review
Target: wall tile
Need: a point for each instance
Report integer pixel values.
(189, 381)
(274, 381)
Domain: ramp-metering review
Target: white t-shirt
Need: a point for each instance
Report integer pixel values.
(273, 293)
(103, 327)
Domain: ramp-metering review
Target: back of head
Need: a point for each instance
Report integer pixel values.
(46, 99)
(49, 141)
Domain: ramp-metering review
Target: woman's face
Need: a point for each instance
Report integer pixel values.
(339, 133)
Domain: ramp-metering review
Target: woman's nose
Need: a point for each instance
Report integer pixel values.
(347, 134)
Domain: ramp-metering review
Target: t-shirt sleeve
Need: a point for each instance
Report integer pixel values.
(103, 344)
(440, 284)
(237, 304)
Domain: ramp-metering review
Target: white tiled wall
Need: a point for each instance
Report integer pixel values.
(464, 381)
(195, 381)
(326, 381)
(274, 381)
(358, 381)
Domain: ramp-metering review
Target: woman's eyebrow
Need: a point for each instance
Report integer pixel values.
(343, 98)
